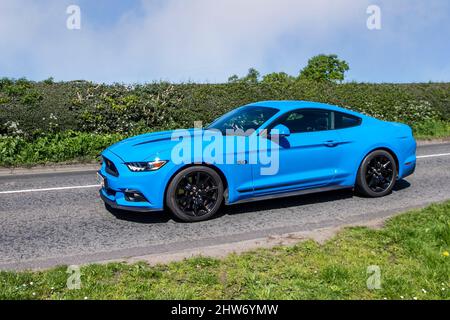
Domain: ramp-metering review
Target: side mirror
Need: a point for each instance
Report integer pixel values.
(280, 130)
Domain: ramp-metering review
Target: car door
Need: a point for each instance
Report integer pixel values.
(353, 141)
(306, 158)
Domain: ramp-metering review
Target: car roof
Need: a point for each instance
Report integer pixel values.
(288, 105)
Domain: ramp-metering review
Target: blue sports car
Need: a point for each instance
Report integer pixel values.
(258, 151)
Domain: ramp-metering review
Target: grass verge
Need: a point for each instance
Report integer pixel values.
(431, 130)
(411, 252)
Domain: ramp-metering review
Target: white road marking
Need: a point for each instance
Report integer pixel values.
(50, 189)
(433, 155)
(97, 185)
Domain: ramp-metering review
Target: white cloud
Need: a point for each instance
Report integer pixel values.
(178, 39)
(208, 37)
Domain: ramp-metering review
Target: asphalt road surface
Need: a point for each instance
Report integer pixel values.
(43, 223)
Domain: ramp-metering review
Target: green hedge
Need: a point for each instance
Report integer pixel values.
(30, 109)
(60, 147)
(79, 146)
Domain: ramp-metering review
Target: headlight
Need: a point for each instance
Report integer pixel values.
(145, 166)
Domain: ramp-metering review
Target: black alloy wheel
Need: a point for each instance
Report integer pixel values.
(377, 174)
(195, 193)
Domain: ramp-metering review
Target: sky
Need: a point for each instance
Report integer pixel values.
(138, 41)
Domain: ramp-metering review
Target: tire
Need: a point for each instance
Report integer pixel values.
(377, 174)
(195, 194)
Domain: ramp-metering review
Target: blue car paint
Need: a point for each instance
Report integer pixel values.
(308, 160)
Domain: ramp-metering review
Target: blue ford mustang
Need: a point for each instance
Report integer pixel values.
(301, 147)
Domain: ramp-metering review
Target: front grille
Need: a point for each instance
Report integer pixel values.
(110, 167)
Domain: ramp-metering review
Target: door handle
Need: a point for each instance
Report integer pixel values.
(331, 143)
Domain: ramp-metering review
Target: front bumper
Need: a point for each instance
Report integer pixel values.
(150, 185)
(113, 204)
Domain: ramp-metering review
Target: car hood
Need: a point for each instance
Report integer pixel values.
(147, 147)
(144, 147)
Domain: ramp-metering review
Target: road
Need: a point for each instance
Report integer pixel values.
(42, 228)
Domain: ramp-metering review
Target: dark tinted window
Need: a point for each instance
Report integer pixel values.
(343, 120)
(244, 118)
(306, 120)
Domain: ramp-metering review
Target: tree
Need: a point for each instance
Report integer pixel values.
(234, 78)
(251, 77)
(324, 68)
(277, 78)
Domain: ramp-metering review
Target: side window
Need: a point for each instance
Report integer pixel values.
(343, 120)
(307, 120)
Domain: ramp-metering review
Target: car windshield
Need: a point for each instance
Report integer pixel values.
(243, 119)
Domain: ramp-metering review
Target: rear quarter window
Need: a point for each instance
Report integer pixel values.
(344, 120)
